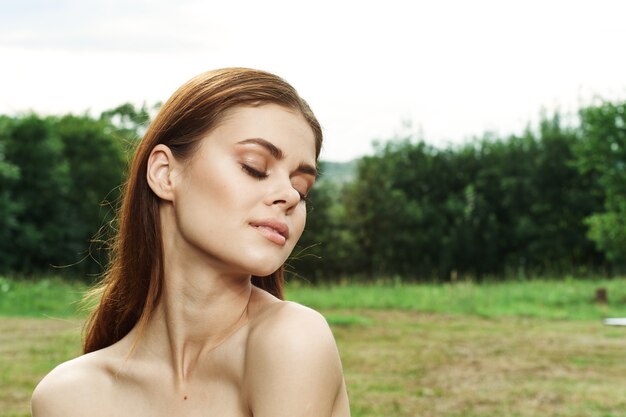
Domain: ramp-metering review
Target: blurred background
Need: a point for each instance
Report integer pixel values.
(473, 176)
(499, 127)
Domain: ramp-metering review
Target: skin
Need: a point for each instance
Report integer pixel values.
(216, 345)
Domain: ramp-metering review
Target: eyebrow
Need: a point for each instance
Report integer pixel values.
(307, 169)
(278, 154)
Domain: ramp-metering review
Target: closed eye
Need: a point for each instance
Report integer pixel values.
(255, 173)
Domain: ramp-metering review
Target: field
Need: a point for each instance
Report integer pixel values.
(535, 348)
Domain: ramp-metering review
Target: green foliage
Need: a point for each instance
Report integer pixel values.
(551, 201)
(9, 209)
(128, 122)
(494, 207)
(602, 154)
(96, 163)
(324, 250)
(39, 194)
(60, 179)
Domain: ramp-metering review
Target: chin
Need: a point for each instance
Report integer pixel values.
(264, 271)
(262, 266)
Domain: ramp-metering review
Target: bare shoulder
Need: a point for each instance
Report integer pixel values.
(292, 355)
(277, 321)
(289, 322)
(70, 388)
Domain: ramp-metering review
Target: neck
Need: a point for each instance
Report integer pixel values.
(198, 310)
(201, 305)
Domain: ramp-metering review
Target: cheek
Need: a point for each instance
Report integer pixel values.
(214, 185)
(202, 199)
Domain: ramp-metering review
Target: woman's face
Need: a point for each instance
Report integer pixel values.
(239, 202)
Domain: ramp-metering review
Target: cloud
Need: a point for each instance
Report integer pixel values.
(137, 26)
(105, 42)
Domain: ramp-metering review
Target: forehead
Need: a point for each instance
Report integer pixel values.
(285, 128)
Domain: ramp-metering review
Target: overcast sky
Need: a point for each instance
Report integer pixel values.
(455, 69)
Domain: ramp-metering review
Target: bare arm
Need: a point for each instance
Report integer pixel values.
(293, 367)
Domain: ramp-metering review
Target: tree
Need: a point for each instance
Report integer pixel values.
(602, 154)
(127, 122)
(39, 194)
(325, 250)
(96, 161)
(9, 210)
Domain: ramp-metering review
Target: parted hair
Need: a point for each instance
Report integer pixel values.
(133, 281)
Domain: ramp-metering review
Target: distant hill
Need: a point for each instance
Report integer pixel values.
(338, 172)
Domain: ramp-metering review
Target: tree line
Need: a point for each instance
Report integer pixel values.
(550, 201)
(60, 180)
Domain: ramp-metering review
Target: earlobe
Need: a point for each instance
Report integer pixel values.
(159, 172)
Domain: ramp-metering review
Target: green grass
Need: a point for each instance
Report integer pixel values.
(569, 299)
(51, 297)
(513, 349)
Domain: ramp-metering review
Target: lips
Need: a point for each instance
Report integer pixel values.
(272, 230)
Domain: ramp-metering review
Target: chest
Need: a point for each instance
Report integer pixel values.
(212, 388)
(212, 399)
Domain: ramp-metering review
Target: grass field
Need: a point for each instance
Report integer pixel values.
(518, 349)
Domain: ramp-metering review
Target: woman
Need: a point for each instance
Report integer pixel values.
(191, 320)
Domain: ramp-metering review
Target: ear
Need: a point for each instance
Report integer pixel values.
(161, 163)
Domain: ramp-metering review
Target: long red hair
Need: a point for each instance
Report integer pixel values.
(132, 285)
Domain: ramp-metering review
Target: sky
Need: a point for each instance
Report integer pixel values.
(444, 71)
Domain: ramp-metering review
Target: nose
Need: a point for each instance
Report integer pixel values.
(282, 193)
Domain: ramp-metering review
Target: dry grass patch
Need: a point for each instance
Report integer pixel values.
(30, 348)
(411, 364)
(403, 363)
